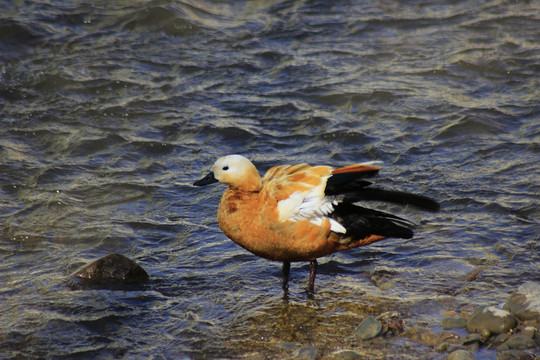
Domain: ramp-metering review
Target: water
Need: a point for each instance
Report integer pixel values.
(110, 110)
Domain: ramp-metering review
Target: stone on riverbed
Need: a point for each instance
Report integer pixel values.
(522, 340)
(368, 328)
(454, 322)
(345, 355)
(514, 355)
(113, 269)
(525, 302)
(460, 355)
(491, 319)
(309, 352)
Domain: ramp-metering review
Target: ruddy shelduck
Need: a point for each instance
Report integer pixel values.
(301, 212)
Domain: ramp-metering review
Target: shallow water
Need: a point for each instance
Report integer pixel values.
(110, 110)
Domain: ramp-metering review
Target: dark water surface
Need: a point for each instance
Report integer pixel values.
(109, 110)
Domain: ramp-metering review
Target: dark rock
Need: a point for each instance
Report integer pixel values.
(473, 338)
(368, 328)
(460, 355)
(525, 302)
(113, 269)
(514, 355)
(519, 341)
(491, 319)
(501, 338)
(456, 322)
(473, 341)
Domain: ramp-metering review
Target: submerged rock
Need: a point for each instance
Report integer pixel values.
(113, 269)
(368, 328)
(522, 340)
(422, 335)
(383, 278)
(345, 355)
(460, 355)
(454, 322)
(309, 352)
(525, 302)
(491, 319)
(514, 355)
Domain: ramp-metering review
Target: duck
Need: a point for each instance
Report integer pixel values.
(300, 213)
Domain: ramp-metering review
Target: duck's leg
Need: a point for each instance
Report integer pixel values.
(286, 272)
(312, 273)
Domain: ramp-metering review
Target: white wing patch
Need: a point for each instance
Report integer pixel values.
(310, 205)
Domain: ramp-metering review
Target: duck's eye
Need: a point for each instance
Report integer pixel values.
(225, 168)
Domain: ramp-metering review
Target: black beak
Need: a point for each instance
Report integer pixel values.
(207, 180)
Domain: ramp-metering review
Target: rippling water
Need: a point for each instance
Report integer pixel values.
(110, 110)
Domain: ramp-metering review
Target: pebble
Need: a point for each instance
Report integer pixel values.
(491, 319)
(344, 355)
(442, 347)
(501, 338)
(254, 356)
(518, 341)
(514, 355)
(309, 352)
(525, 302)
(460, 355)
(368, 328)
(473, 338)
(454, 322)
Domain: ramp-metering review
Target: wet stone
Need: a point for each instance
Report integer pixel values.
(491, 319)
(422, 335)
(473, 338)
(449, 336)
(442, 347)
(460, 355)
(344, 355)
(525, 302)
(455, 322)
(309, 352)
(113, 269)
(514, 355)
(254, 356)
(499, 339)
(519, 341)
(368, 328)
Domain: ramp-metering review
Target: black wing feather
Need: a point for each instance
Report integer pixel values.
(361, 222)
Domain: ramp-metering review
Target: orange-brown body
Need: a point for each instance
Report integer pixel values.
(251, 219)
